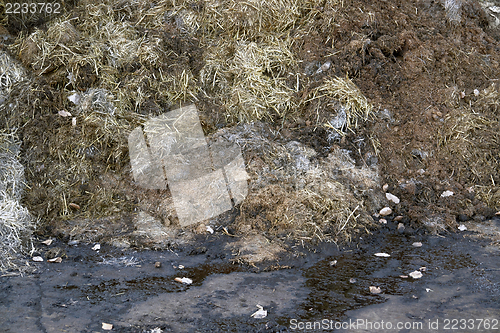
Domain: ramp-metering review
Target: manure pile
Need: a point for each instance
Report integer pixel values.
(328, 100)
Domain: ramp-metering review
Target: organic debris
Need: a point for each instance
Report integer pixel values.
(353, 104)
(16, 223)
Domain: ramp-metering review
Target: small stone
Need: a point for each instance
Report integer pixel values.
(382, 254)
(446, 194)
(401, 228)
(96, 247)
(462, 227)
(385, 211)
(385, 187)
(352, 280)
(375, 290)
(417, 244)
(398, 218)
(333, 263)
(308, 123)
(423, 269)
(476, 92)
(74, 205)
(47, 242)
(383, 221)
(497, 213)
(64, 113)
(416, 274)
(37, 259)
(392, 197)
(107, 327)
(403, 276)
(462, 94)
(157, 264)
(184, 280)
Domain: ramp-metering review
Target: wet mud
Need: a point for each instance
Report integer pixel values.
(322, 285)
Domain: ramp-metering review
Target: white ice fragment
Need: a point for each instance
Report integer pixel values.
(462, 227)
(494, 9)
(96, 247)
(446, 194)
(382, 254)
(38, 259)
(392, 197)
(428, 290)
(259, 314)
(416, 274)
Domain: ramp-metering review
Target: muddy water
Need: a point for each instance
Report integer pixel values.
(305, 291)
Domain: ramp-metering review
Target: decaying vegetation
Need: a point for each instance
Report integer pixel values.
(329, 80)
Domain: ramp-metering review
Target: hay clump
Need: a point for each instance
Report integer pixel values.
(469, 141)
(250, 78)
(294, 194)
(11, 73)
(354, 106)
(16, 223)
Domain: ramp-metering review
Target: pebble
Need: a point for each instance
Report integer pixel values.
(352, 280)
(446, 194)
(417, 244)
(383, 221)
(74, 205)
(375, 290)
(401, 228)
(398, 218)
(385, 211)
(157, 264)
(333, 263)
(385, 187)
(392, 197)
(416, 274)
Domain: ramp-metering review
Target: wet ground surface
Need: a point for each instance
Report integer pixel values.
(306, 291)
